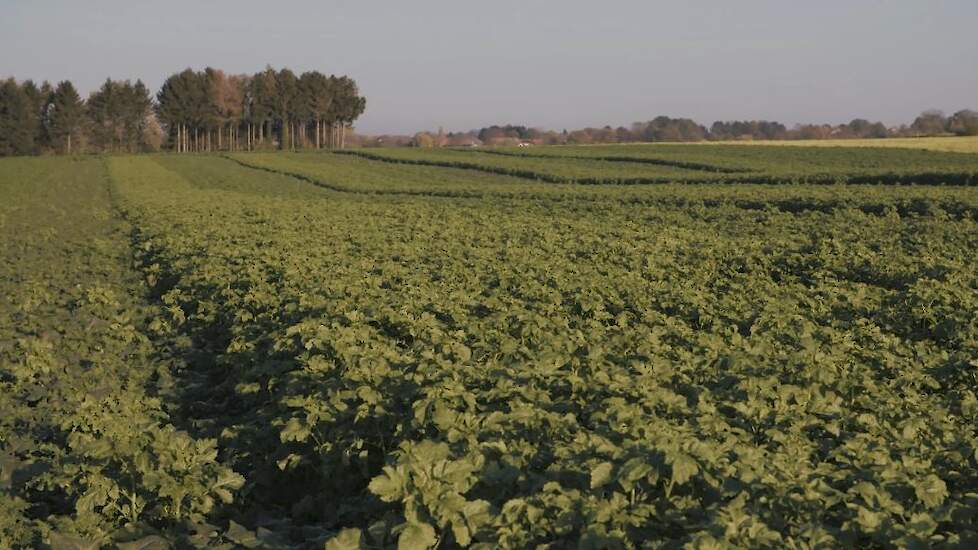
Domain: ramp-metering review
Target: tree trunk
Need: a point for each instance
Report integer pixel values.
(343, 136)
(69, 142)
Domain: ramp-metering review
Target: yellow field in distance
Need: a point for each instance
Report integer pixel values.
(955, 144)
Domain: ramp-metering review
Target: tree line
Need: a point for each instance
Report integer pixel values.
(39, 119)
(664, 128)
(194, 111)
(210, 110)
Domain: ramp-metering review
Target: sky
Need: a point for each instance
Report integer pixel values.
(460, 65)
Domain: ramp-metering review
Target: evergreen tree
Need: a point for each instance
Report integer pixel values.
(118, 112)
(16, 120)
(103, 108)
(36, 101)
(66, 116)
(176, 109)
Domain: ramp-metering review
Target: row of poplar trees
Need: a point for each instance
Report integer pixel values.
(209, 110)
(54, 119)
(194, 111)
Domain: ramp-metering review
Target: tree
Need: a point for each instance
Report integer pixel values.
(37, 99)
(930, 123)
(964, 123)
(66, 117)
(118, 112)
(172, 109)
(351, 104)
(152, 135)
(286, 103)
(193, 111)
(16, 135)
(232, 106)
(317, 93)
(423, 139)
(663, 128)
(137, 110)
(264, 90)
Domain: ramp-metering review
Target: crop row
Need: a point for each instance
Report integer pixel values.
(551, 170)
(634, 165)
(352, 175)
(92, 453)
(774, 160)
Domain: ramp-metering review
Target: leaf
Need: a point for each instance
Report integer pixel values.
(347, 539)
(476, 512)
(922, 525)
(238, 534)
(417, 536)
(683, 468)
(632, 471)
(461, 532)
(152, 542)
(931, 491)
(969, 404)
(600, 475)
(869, 520)
(69, 542)
(388, 486)
(295, 430)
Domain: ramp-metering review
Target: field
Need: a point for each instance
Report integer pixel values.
(954, 144)
(656, 346)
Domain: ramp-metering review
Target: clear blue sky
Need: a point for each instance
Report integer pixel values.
(556, 64)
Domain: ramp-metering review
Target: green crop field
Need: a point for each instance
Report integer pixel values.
(629, 346)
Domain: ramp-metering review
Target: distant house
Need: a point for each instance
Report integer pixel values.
(464, 140)
(502, 141)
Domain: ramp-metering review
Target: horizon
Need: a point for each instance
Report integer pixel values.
(461, 68)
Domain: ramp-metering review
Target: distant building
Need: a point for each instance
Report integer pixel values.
(464, 140)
